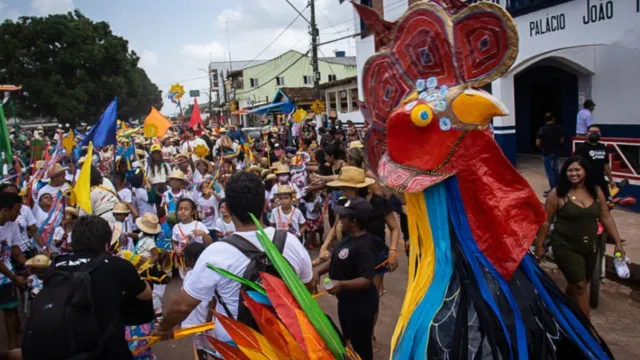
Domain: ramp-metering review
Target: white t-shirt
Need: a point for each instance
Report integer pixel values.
(144, 246)
(9, 236)
(126, 243)
(199, 314)
(126, 195)
(290, 222)
(209, 210)
(204, 282)
(310, 214)
(40, 215)
(58, 234)
(24, 220)
(224, 227)
(182, 233)
(141, 202)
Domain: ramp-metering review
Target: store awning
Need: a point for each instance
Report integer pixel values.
(239, 112)
(283, 107)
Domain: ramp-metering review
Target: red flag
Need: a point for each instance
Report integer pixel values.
(195, 115)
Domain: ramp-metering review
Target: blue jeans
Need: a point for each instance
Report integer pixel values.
(551, 169)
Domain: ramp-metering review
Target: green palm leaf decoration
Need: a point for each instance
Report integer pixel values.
(302, 295)
(239, 279)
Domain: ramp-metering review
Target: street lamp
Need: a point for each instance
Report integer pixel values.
(210, 90)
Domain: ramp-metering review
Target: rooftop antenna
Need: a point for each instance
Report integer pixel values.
(226, 24)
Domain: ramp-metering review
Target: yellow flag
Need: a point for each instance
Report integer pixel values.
(82, 189)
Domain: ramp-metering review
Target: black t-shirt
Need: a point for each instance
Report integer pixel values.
(550, 136)
(598, 157)
(352, 258)
(113, 282)
(377, 223)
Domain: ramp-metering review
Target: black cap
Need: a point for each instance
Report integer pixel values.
(358, 208)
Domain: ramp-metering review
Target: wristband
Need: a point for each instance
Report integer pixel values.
(396, 250)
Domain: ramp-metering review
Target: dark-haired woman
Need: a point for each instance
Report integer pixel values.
(576, 203)
(333, 155)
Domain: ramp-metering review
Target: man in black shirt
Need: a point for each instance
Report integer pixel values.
(549, 140)
(596, 153)
(351, 272)
(113, 283)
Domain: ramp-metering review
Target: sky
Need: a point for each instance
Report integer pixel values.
(176, 39)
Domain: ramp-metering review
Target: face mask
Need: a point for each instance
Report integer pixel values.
(283, 178)
(595, 137)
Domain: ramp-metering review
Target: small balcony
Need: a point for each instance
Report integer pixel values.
(521, 7)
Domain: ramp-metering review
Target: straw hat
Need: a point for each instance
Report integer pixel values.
(270, 177)
(155, 147)
(116, 231)
(282, 169)
(38, 261)
(39, 164)
(255, 169)
(149, 223)
(181, 157)
(265, 172)
(351, 176)
(121, 208)
(285, 190)
(141, 152)
(208, 163)
(264, 162)
(71, 210)
(356, 145)
(223, 130)
(178, 175)
(57, 169)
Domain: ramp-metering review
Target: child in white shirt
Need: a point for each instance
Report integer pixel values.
(207, 200)
(288, 217)
(62, 234)
(188, 230)
(224, 224)
(122, 213)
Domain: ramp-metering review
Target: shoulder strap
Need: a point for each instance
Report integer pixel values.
(279, 239)
(243, 245)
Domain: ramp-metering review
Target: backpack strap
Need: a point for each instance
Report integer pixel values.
(93, 263)
(248, 249)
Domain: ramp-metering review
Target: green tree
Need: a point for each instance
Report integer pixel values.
(70, 68)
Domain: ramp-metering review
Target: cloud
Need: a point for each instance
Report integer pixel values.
(44, 7)
(212, 50)
(228, 16)
(148, 59)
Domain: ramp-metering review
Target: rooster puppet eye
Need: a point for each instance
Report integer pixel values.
(421, 115)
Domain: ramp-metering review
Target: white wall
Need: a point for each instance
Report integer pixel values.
(364, 49)
(615, 86)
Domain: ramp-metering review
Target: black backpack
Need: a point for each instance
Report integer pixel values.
(62, 323)
(258, 262)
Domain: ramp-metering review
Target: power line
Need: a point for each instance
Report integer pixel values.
(299, 13)
(277, 75)
(274, 40)
(182, 81)
(294, 45)
(328, 62)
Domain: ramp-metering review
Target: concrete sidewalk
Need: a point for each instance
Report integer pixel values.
(532, 169)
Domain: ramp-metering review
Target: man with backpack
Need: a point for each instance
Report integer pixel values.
(240, 254)
(79, 312)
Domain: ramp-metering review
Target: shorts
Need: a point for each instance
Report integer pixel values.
(382, 257)
(8, 296)
(576, 266)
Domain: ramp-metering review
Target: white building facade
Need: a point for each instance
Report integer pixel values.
(570, 51)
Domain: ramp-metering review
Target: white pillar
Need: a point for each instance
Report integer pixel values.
(349, 102)
(327, 102)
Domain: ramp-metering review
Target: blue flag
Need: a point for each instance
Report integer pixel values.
(104, 132)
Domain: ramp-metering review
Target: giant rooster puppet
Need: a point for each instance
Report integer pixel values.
(473, 290)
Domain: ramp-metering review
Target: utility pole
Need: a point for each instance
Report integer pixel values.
(226, 25)
(314, 50)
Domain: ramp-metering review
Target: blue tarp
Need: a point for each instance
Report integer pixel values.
(284, 107)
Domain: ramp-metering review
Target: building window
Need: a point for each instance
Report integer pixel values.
(307, 79)
(333, 77)
(280, 81)
(254, 82)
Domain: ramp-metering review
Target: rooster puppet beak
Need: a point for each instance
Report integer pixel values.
(477, 107)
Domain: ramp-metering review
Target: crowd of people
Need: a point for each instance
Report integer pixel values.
(177, 206)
